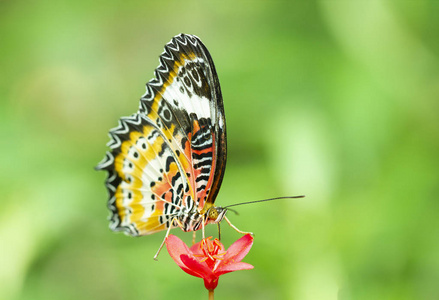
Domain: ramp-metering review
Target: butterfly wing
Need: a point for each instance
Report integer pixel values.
(169, 157)
(185, 101)
(145, 181)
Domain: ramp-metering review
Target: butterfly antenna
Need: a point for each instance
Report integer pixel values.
(232, 210)
(264, 200)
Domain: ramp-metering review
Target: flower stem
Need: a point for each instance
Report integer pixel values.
(211, 294)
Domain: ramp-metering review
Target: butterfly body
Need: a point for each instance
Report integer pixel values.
(193, 220)
(166, 161)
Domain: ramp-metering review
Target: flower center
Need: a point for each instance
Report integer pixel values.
(212, 251)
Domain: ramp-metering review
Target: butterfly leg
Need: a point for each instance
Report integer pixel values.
(234, 227)
(219, 231)
(167, 234)
(202, 228)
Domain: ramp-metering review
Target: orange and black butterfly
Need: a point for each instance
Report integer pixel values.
(166, 162)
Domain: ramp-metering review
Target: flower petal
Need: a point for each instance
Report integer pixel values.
(204, 258)
(196, 268)
(210, 278)
(196, 249)
(236, 252)
(176, 248)
(233, 267)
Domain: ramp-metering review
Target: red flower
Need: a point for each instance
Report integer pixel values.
(208, 259)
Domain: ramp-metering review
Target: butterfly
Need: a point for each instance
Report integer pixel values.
(166, 162)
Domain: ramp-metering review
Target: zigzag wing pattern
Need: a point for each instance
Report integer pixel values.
(168, 159)
(185, 101)
(145, 181)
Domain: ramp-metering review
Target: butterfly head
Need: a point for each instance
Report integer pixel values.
(215, 214)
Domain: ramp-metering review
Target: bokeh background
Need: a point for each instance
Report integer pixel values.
(337, 100)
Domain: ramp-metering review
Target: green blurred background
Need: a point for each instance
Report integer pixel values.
(335, 100)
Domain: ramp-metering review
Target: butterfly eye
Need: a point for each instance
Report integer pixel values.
(212, 213)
